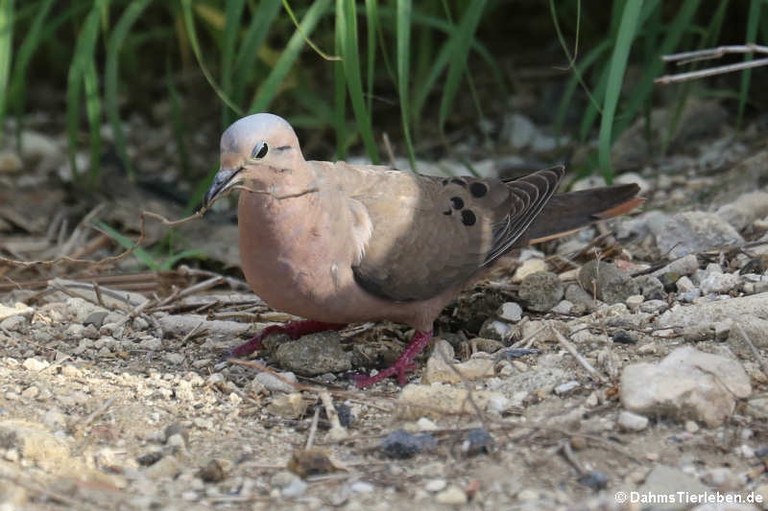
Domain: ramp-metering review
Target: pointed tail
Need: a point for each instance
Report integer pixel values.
(568, 212)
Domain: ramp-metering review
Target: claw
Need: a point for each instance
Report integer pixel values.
(294, 330)
(402, 366)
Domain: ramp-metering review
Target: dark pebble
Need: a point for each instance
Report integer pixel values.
(594, 479)
(477, 441)
(400, 444)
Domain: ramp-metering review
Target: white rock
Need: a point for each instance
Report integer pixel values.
(629, 421)
(296, 488)
(34, 364)
(692, 232)
(18, 309)
(277, 383)
(634, 302)
(510, 311)
(745, 210)
(687, 384)
(710, 312)
(566, 388)
(719, 283)
(424, 424)
(452, 496)
(685, 285)
(361, 487)
(564, 307)
(683, 266)
(529, 267)
(435, 485)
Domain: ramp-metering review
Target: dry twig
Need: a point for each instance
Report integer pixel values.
(713, 53)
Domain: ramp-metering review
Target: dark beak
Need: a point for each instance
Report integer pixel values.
(221, 182)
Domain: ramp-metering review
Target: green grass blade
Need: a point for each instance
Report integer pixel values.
(753, 24)
(82, 59)
(403, 63)
(271, 85)
(340, 93)
(31, 42)
(93, 114)
(642, 92)
(460, 43)
(189, 25)
(618, 65)
(346, 24)
(246, 71)
(127, 243)
(233, 17)
(112, 79)
(6, 43)
(371, 30)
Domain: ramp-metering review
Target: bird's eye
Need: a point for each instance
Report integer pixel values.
(260, 151)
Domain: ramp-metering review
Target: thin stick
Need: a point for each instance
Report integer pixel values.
(712, 53)
(312, 430)
(755, 353)
(570, 348)
(704, 73)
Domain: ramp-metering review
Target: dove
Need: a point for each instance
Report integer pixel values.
(337, 243)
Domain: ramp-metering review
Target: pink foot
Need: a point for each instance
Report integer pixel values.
(401, 367)
(294, 330)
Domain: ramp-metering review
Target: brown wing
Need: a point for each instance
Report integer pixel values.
(431, 234)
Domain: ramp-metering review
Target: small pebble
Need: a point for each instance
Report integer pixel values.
(630, 421)
(595, 480)
(566, 388)
(361, 487)
(435, 485)
(425, 424)
(34, 364)
(477, 441)
(564, 307)
(296, 488)
(653, 306)
(510, 311)
(400, 444)
(623, 337)
(634, 302)
(452, 496)
(277, 382)
(541, 291)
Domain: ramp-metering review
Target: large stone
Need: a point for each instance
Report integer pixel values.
(693, 232)
(34, 444)
(745, 210)
(441, 368)
(668, 481)
(438, 401)
(314, 354)
(719, 310)
(687, 385)
(541, 291)
(607, 282)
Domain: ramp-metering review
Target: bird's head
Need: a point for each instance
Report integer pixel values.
(255, 149)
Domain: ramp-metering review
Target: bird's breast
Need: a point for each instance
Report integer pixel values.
(292, 255)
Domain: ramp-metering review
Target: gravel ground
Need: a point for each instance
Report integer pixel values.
(560, 382)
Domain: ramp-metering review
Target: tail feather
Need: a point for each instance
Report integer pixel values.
(568, 212)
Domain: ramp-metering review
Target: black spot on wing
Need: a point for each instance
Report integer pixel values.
(468, 218)
(457, 202)
(478, 189)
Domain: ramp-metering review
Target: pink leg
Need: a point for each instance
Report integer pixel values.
(402, 366)
(294, 330)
